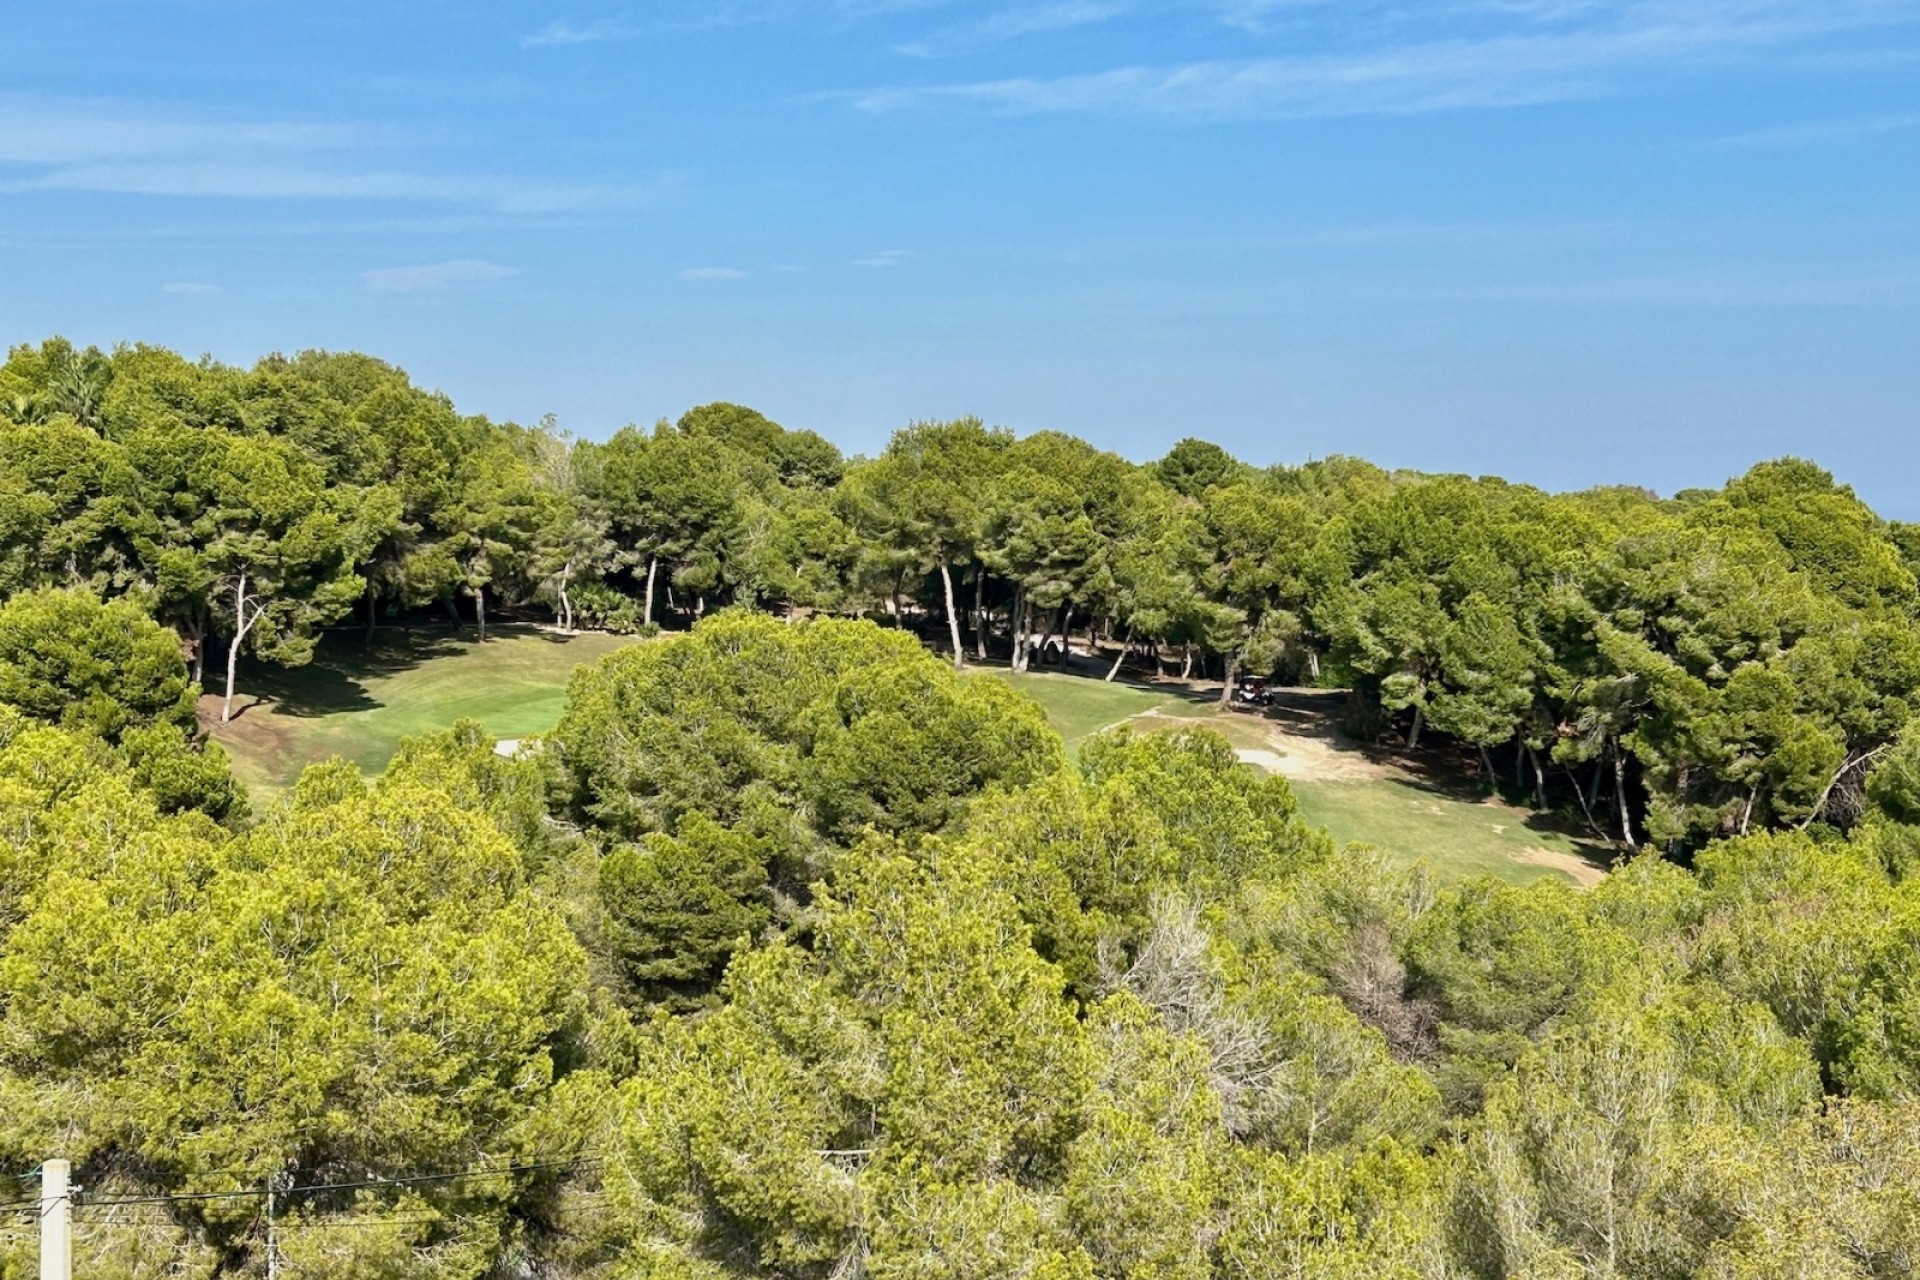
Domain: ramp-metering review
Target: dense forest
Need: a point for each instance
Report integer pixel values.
(798, 950)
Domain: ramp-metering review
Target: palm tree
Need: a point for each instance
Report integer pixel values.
(23, 408)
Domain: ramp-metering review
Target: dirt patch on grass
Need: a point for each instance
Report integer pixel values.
(254, 733)
(1584, 873)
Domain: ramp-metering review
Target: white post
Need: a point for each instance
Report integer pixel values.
(56, 1221)
(273, 1234)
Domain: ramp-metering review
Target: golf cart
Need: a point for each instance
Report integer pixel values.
(1252, 692)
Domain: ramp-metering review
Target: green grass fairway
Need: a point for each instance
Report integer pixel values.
(1447, 822)
(1080, 706)
(1458, 837)
(358, 703)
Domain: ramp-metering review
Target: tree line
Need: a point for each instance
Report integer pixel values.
(1674, 669)
(797, 952)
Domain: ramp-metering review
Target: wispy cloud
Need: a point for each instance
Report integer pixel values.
(58, 144)
(884, 258)
(1888, 285)
(434, 276)
(713, 273)
(1586, 52)
(1813, 132)
(1012, 24)
(598, 31)
(190, 287)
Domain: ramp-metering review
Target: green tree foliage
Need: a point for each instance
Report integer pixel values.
(71, 660)
(794, 952)
(362, 985)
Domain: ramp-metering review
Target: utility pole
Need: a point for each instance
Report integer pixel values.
(56, 1221)
(273, 1230)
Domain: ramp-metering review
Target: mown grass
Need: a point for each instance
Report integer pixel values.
(1458, 837)
(1447, 822)
(358, 703)
(1080, 706)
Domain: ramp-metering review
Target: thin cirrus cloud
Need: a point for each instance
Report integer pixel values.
(563, 31)
(433, 277)
(108, 146)
(713, 273)
(884, 259)
(1814, 132)
(1526, 53)
(1013, 24)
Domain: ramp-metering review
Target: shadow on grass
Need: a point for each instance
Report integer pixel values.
(334, 681)
(1456, 774)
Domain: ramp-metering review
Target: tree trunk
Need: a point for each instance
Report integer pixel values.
(1186, 663)
(1018, 621)
(480, 612)
(1313, 665)
(1580, 794)
(980, 612)
(1053, 625)
(1413, 734)
(653, 567)
(371, 615)
(1125, 644)
(1539, 781)
(1519, 763)
(197, 634)
(1486, 762)
(1226, 687)
(566, 603)
(1599, 773)
(452, 606)
(953, 617)
(233, 650)
(1620, 797)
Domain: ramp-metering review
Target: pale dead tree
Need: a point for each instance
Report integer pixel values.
(1373, 983)
(1176, 975)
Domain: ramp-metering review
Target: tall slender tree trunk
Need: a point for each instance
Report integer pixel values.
(1580, 794)
(1313, 665)
(1018, 625)
(371, 615)
(1620, 797)
(197, 634)
(566, 604)
(1486, 762)
(240, 629)
(480, 612)
(953, 616)
(1539, 781)
(1519, 763)
(1226, 687)
(980, 612)
(1186, 662)
(1126, 643)
(653, 567)
(1413, 734)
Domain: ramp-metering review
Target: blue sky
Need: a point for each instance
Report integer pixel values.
(1567, 241)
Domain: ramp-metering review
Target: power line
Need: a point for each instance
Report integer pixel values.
(314, 1188)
